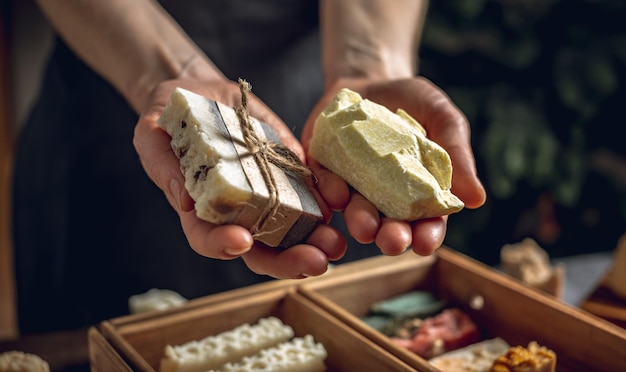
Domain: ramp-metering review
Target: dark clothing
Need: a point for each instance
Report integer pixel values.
(90, 228)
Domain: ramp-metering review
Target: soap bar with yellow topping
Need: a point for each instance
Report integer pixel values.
(224, 179)
(385, 156)
(534, 358)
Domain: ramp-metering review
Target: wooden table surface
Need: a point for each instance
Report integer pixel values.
(64, 351)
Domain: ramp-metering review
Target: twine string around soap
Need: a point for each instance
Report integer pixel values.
(266, 153)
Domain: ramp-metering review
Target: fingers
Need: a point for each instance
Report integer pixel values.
(394, 236)
(428, 235)
(362, 219)
(222, 242)
(153, 146)
(444, 123)
(452, 132)
(465, 182)
(228, 242)
(297, 262)
(329, 241)
(390, 235)
(332, 188)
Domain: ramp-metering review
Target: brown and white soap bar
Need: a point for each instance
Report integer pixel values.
(225, 180)
(386, 156)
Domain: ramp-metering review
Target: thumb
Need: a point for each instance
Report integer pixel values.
(158, 160)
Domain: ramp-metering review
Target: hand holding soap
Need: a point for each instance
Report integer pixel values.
(224, 179)
(385, 156)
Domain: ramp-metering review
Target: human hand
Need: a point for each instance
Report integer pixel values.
(444, 124)
(228, 241)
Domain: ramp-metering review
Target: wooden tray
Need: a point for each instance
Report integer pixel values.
(139, 342)
(510, 310)
(247, 291)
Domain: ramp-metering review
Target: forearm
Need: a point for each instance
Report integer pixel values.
(134, 44)
(370, 38)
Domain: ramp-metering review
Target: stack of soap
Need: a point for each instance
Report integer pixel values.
(386, 157)
(223, 178)
(269, 345)
(230, 346)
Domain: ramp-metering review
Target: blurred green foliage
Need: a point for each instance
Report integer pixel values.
(541, 82)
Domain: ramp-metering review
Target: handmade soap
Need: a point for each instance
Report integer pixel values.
(227, 182)
(534, 358)
(19, 361)
(155, 299)
(529, 263)
(475, 357)
(449, 330)
(410, 304)
(386, 156)
(301, 354)
(212, 352)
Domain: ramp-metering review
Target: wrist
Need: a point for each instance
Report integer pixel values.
(369, 62)
(193, 66)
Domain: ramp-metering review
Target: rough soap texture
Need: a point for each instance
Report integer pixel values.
(224, 179)
(230, 346)
(386, 157)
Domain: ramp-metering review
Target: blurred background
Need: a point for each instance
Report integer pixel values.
(542, 84)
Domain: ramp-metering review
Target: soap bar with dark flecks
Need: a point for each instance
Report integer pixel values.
(224, 179)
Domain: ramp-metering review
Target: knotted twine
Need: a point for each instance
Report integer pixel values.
(266, 153)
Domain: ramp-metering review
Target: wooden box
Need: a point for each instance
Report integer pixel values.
(137, 343)
(500, 305)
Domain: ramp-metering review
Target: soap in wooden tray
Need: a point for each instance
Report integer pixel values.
(385, 156)
(223, 178)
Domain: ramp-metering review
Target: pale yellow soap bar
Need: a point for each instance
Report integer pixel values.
(386, 157)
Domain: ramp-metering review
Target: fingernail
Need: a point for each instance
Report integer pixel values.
(236, 251)
(175, 190)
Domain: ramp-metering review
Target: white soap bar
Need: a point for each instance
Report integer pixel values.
(225, 180)
(231, 346)
(300, 354)
(155, 300)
